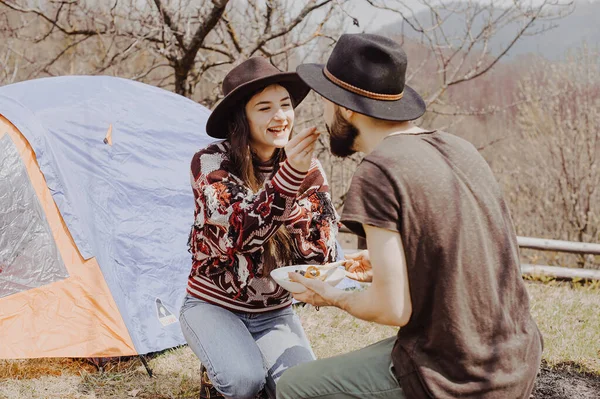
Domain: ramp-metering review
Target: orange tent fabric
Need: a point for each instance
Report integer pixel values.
(78, 312)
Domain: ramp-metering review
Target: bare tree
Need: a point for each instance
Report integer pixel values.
(9, 65)
(450, 45)
(173, 44)
(10, 57)
(459, 37)
(559, 125)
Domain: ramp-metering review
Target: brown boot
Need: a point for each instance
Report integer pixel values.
(262, 394)
(207, 390)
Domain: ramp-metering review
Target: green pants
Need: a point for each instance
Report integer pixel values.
(365, 373)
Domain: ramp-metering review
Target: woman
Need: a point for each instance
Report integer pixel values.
(262, 202)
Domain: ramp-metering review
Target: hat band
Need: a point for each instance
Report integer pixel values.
(362, 92)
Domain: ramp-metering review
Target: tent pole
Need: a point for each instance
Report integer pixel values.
(145, 363)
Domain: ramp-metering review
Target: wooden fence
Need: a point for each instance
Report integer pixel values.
(543, 244)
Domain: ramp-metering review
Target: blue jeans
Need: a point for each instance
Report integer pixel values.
(244, 352)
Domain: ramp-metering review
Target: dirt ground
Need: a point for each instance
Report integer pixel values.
(564, 383)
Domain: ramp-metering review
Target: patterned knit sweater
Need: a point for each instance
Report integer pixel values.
(232, 224)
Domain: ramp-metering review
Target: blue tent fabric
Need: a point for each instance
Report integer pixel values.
(130, 205)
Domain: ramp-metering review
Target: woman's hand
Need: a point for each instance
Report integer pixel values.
(358, 266)
(300, 149)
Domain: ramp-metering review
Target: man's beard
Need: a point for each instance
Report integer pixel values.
(342, 136)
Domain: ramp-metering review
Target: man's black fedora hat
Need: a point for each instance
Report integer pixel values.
(243, 80)
(366, 73)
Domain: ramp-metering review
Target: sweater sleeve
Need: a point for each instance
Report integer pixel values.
(313, 223)
(244, 220)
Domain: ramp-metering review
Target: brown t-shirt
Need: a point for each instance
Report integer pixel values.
(471, 334)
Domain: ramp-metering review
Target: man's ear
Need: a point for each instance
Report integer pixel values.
(346, 113)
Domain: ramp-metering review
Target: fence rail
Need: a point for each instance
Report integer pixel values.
(558, 245)
(543, 244)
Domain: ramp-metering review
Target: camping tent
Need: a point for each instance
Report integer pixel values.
(95, 211)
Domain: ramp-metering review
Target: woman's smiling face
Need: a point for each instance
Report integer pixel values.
(270, 115)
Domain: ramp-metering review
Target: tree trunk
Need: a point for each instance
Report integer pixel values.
(182, 85)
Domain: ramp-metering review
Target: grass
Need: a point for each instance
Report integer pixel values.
(568, 316)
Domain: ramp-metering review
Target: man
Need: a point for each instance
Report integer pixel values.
(442, 251)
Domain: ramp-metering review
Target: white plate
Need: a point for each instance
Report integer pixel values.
(280, 275)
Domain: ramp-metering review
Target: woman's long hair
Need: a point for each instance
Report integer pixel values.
(278, 249)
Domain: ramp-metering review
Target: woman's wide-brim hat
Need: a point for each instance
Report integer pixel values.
(245, 79)
(366, 73)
